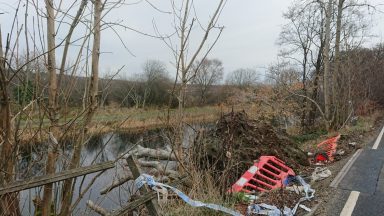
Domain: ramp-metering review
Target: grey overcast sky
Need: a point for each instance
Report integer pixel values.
(248, 40)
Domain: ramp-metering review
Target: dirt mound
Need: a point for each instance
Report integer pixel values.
(230, 148)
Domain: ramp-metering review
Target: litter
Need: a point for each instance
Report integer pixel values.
(309, 192)
(164, 198)
(340, 152)
(149, 180)
(251, 198)
(270, 210)
(321, 157)
(320, 173)
(305, 208)
(288, 180)
(295, 188)
(328, 148)
(266, 174)
(265, 209)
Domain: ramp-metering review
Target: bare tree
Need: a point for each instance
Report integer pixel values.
(8, 203)
(186, 22)
(92, 105)
(283, 73)
(48, 84)
(52, 105)
(299, 39)
(151, 86)
(243, 77)
(156, 82)
(207, 73)
(106, 84)
(154, 70)
(135, 94)
(351, 24)
(315, 32)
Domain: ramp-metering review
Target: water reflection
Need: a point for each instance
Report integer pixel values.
(97, 149)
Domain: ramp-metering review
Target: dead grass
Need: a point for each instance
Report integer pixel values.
(204, 189)
(117, 119)
(112, 119)
(363, 125)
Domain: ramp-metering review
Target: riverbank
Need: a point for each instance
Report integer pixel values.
(35, 130)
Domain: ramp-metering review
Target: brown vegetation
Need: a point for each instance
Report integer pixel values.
(323, 79)
(236, 142)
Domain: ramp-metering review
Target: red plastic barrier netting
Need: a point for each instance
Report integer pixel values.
(329, 146)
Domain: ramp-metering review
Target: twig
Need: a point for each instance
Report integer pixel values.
(97, 209)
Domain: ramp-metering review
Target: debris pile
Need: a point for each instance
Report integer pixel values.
(272, 198)
(289, 196)
(262, 178)
(280, 198)
(236, 141)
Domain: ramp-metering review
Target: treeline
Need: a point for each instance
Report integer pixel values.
(359, 91)
(152, 87)
(359, 87)
(364, 70)
(323, 70)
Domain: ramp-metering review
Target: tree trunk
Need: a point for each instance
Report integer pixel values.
(52, 105)
(182, 95)
(68, 39)
(304, 101)
(91, 107)
(327, 93)
(312, 113)
(318, 65)
(337, 94)
(9, 204)
(183, 88)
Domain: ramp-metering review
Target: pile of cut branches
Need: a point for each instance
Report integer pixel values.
(236, 141)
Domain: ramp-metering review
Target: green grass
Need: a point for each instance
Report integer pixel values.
(302, 138)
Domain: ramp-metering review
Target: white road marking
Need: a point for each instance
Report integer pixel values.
(378, 139)
(350, 204)
(345, 169)
(354, 195)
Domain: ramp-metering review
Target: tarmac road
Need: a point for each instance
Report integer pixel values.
(359, 191)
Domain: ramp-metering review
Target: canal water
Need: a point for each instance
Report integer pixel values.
(98, 149)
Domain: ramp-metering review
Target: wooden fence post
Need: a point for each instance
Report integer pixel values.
(151, 205)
